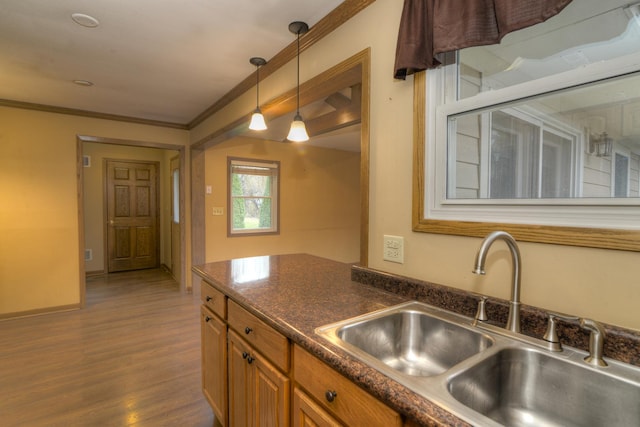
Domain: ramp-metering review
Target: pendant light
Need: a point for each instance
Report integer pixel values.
(257, 119)
(298, 131)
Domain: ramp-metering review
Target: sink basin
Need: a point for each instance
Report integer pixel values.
(524, 387)
(410, 340)
(486, 375)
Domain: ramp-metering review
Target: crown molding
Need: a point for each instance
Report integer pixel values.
(91, 114)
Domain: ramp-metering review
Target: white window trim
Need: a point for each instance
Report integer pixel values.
(579, 212)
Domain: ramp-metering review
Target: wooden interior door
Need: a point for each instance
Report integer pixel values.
(132, 215)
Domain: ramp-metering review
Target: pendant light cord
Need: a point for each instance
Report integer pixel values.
(298, 91)
(257, 86)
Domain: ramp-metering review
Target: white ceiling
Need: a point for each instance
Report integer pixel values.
(163, 60)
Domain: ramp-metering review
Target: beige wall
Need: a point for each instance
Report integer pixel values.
(319, 201)
(94, 198)
(39, 228)
(39, 253)
(602, 284)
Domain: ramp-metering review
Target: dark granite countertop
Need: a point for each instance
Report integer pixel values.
(298, 293)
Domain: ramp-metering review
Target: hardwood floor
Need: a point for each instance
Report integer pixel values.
(130, 358)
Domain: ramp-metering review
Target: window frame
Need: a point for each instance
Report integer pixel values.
(581, 212)
(273, 166)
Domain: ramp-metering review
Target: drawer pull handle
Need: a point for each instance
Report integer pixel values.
(209, 298)
(207, 318)
(330, 395)
(245, 354)
(247, 330)
(250, 360)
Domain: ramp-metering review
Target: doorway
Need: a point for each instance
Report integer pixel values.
(92, 213)
(352, 73)
(131, 200)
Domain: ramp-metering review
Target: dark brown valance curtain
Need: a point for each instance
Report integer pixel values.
(429, 28)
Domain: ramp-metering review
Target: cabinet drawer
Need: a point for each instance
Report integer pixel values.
(214, 299)
(273, 345)
(352, 405)
(306, 412)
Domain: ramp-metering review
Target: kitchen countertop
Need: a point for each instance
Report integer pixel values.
(297, 293)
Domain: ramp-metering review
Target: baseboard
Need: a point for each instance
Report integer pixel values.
(38, 312)
(95, 273)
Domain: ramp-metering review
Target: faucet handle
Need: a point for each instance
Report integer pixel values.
(551, 335)
(481, 312)
(596, 342)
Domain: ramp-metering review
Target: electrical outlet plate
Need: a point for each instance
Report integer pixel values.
(393, 249)
(218, 211)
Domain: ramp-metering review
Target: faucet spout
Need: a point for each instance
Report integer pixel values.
(513, 321)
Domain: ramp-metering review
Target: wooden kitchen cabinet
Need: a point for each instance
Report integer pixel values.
(214, 363)
(249, 368)
(214, 300)
(214, 351)
(260, 336)
(337, 397)
(306, 413)
(258, 392)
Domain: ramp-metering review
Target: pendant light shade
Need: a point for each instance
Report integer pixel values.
(298, 131)
(257, 119)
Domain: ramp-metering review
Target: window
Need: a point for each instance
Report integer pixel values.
(620, 175)
(253, 197)
(511, 127)
(522, 157)
(175, 206)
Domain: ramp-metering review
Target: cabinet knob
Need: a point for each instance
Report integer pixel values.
(330, 395)
(245, 354)
(250, 360)
(247, 330)
(209, 298)
(207, 318)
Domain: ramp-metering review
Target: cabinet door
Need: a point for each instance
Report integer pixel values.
(306, 413)
(239, 377)
(258, 392)
(270, 395)
(214, 363)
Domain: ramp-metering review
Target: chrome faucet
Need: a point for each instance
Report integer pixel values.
(513, 321)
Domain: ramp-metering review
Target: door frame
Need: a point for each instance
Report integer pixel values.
(355, 69)
(105, 207)
(182, 153)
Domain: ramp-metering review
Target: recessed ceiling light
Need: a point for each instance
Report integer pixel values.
(85, 20)
(83, 82)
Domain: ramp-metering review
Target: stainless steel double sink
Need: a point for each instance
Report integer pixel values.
(486, 375)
